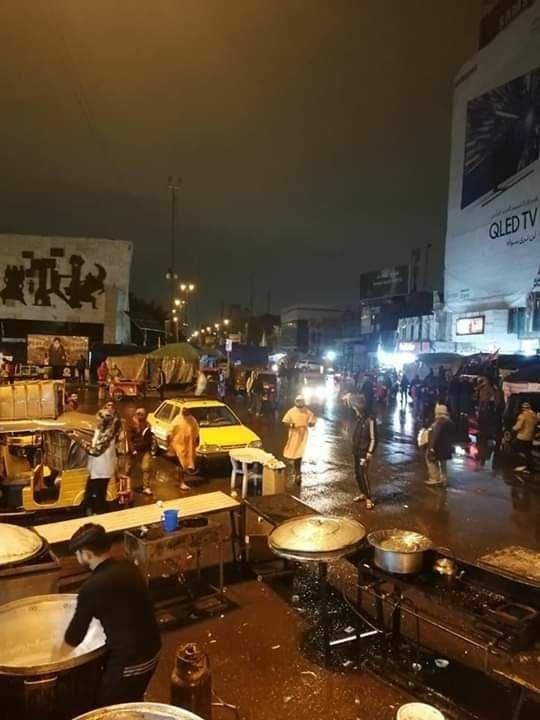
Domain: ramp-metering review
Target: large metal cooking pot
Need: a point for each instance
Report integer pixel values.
(399, 551)
(35, 681)
(18, 545)
(316, 538)
(139, 711)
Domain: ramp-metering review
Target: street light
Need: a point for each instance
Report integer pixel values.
(226, 321)
(176, 302)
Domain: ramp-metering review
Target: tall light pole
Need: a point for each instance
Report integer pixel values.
(173, 185)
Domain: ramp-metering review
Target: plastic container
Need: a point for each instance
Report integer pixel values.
(419, 711)
(170, 520)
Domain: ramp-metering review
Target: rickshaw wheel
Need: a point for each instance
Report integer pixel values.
(118, 395)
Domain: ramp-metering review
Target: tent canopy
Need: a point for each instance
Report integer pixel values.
(181, 350)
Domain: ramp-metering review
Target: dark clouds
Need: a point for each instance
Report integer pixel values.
(312, 135)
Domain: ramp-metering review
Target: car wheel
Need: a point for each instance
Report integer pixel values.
(155, 450)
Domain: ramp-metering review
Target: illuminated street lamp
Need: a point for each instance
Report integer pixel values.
(176, 302)
(226, 321)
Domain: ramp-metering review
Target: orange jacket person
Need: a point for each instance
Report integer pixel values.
(183, 442)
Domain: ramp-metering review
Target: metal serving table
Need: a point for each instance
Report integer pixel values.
(154, 550)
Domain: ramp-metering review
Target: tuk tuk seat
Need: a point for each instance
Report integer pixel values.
(72, 485)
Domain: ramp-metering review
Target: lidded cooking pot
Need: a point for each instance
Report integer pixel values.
(18, 544)
(317, 538)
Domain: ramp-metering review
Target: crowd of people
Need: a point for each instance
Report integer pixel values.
(447, 408)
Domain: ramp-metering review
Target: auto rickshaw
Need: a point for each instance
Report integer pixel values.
(43, 469)
(121, 389)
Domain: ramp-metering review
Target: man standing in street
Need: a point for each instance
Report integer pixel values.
(102, 461)
(117, 596)
(81, 369)
(257, 391)
(364, 444)
(298, 419)
(439, 447)
(525, 429)
(139, 442)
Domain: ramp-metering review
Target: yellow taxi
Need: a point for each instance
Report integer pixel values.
(221, 430)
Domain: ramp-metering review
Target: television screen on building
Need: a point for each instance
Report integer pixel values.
(470, 326)
(502, 137)
(56, 350)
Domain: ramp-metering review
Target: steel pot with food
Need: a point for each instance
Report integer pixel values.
(139, 711)
(399, 551)
(37, 679)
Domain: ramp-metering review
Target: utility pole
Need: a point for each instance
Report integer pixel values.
(251, 292)
(173, 184)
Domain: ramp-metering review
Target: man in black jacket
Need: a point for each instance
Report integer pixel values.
(364, 443)
(439, 447)
(117, 596)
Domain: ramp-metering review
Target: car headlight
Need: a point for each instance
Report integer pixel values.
(255, 444)
(206, 449)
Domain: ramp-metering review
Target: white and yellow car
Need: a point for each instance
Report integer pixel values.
(221, 430)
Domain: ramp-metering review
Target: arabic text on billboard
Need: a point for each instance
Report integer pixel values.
(384, 283)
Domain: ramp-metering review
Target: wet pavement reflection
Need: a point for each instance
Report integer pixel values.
(260, 647)
(481, 508)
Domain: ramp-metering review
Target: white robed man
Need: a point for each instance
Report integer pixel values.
(298, 419)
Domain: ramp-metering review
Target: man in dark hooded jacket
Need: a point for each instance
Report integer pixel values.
(364, 444)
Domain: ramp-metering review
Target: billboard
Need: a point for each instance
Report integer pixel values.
(56, 350)
(492, 253)
(61, 279)
(502, 137)
(384, 283)
(471, 325)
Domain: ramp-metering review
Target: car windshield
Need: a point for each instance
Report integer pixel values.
(214, 416)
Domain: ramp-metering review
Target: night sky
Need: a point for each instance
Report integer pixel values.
(312, 136)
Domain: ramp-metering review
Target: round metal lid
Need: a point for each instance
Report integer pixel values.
(18, 544)
(139, 711)
(32, 629)
(316, 537)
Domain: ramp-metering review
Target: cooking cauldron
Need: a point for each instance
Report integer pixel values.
(140, 711)
(36, 682)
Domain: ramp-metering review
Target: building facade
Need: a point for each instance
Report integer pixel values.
(64, 286)
(492, 261)
(310, 329)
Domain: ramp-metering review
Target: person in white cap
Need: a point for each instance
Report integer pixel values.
(439, 447)
(298, 419)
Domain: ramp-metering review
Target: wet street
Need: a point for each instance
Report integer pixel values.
(481, 509)
(258, 646)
